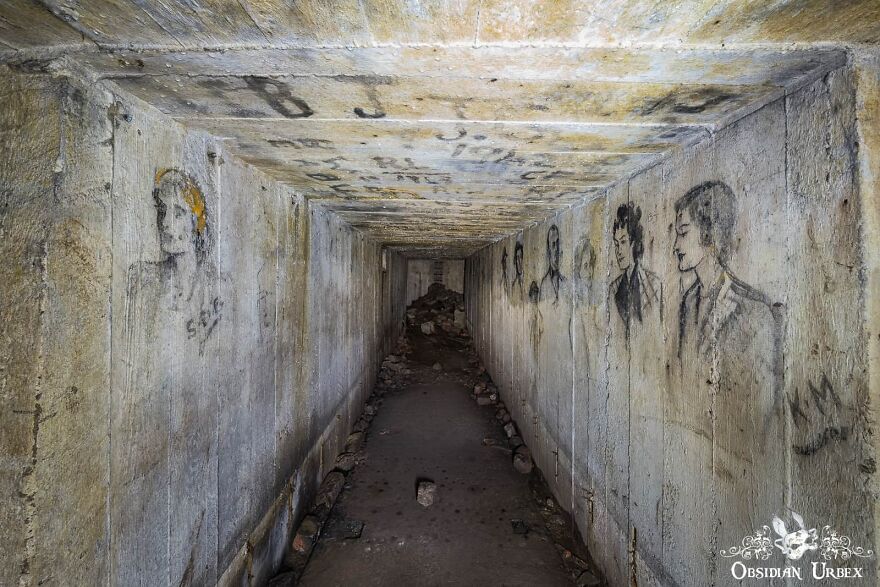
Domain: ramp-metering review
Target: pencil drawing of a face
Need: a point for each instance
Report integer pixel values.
(180, 214)
(688, 249)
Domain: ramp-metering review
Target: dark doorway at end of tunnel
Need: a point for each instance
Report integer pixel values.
(435, 498)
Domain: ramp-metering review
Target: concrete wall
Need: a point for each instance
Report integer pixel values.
(867, 76)
(678, 412)
(453, 274)
(421, 273)
(419, 277)
(184, 347)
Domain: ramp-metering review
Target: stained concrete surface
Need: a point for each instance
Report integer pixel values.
(772, 413)
(439, 127)
(431, 429)
(169, 381)
(335, 141)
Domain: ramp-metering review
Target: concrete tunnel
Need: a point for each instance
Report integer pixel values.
(486, 292)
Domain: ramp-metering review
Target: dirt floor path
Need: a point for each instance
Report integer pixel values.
(487, 524)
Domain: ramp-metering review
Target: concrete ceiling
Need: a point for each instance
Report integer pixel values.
(438, 126)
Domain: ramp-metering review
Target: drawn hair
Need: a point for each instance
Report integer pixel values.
(629, 218)
(712, 208)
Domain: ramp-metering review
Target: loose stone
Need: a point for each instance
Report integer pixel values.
(522, 460)
(426, 493)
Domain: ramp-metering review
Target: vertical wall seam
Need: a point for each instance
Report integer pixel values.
(787, 489)
(28, 481)
(555, 435)
(367, 26)
(478, 24)
(28, 476)
(866, 67)
(664, 174)
(572, 341)
(280, 215)
(715, 384)
(604, 386)
(217, 384)
(629, 426)
(170, 445)
(113, 111)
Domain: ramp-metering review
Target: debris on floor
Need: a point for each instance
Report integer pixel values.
(458, 319)
(522, 459)
(426, 492)
(519, 526)
(439, 317)
(445, 309)
(587, 579)
(560, 528)
(354, 529)
(346, 461)
(343, 529)
(441, 308)
(393, 374)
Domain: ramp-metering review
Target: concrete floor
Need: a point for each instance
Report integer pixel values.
(432, 429)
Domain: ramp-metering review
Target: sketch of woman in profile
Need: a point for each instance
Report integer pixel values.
(638, 292)
(180, 285)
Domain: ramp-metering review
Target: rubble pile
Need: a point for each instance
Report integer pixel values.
(559, 528)
(439, 310)
(485, 393)
(438, 316)
(395, 373)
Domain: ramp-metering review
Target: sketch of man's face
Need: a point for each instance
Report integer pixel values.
(518, 260)
(177, 225)
(688, 249)
(623, 248)
(553, 248)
